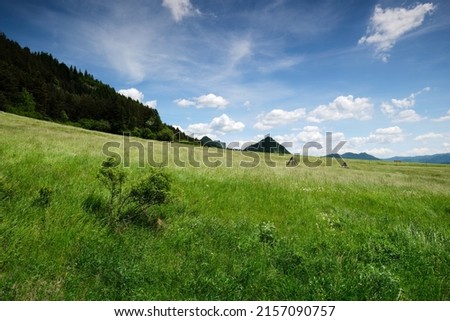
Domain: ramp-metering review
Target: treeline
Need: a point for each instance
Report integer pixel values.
(37, 85)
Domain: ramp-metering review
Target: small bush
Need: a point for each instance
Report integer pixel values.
(134, 206)
(152, 190)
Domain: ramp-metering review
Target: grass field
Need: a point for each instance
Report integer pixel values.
(375, 231)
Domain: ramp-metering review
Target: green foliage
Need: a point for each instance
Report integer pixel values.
(132, 206)
(26, 102)
(151, 190)
(165, 135)
(113, 177)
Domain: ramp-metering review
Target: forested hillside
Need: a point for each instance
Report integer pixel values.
(39, 86)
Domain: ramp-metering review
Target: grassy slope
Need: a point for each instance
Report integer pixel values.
(375, 231)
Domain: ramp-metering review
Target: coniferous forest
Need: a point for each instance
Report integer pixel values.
(35, 84)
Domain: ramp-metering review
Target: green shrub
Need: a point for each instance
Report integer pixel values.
(132, 206)
(151, 190)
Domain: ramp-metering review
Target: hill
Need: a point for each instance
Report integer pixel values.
(208, 142)
(267, 145)
(229, 233)
(38, 85)
(431, 159)
(362, 156)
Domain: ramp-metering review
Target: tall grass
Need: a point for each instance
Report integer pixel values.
(376, 231)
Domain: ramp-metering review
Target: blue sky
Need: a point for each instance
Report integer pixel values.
(374, 73)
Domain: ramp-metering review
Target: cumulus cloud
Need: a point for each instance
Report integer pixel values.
(184, 102)
(132, 93)
(180, 9)
(387, 26)
(400, 110)
(408, 115)
(219, 125)
(343, 107)
(428, 136)
(386, 135)
(278, 117)
(204, 101)
(137, 95)
(443, 118)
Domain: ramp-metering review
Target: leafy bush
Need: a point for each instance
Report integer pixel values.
(113, 177)
(151, 190)
(132, 206)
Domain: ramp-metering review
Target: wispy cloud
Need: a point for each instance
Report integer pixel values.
(428, 136)
(400, 110)
(443, 118)
(180, 9)
(387, 26)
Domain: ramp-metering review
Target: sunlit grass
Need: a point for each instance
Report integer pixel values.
(375, 231)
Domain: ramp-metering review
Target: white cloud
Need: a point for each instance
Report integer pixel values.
(137, 95)
(400, 110)
(443, 118)
(132, 93)
(278, 117)
(184, 102)
(212, 101)
(387, 26)
(219, 125)
(388, 135)
(428, 136)
(408, 115)
(180, 9)
(388, 131)
(151, 104)
(209, 100)
(343, 107)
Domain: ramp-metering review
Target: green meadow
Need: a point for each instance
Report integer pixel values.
(374, 231)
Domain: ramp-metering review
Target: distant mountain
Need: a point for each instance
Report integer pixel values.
(208, 142)
(363, 156)
(432, 159)
(267, 145)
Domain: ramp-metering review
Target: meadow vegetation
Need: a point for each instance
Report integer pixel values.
(375, 231)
